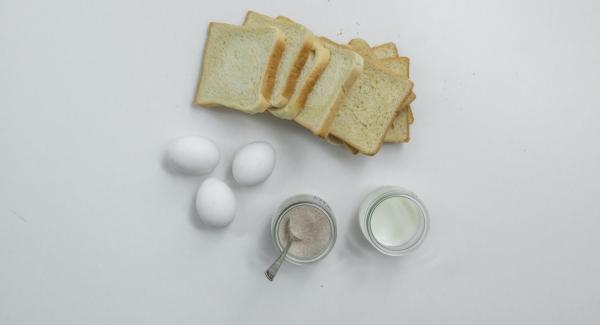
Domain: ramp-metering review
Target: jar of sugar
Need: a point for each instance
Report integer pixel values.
(313, 219)
(393, 220)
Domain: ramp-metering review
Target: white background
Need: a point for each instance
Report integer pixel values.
(504, 151)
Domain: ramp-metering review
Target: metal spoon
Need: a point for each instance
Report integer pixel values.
(274, 268)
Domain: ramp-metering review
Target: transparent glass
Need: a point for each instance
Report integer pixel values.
(375, 200)
(302, 199)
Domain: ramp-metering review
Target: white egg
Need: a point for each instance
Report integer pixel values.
(193, 155)
(215, 203)
(253, 163)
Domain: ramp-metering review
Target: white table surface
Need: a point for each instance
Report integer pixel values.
(504, 151)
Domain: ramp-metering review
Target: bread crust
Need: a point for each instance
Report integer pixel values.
(384, 54)
(323, 129)
(398, 110)
(292, 80)
(338, 104)
(322, 57)
(391, 136)
(381, 50)
(271, 71)
(262, 102)
(362, 47)
(293, 108)
(372, 151)
(324, 132)
(282, 96)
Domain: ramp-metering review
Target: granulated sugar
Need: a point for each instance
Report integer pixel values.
(312, 228)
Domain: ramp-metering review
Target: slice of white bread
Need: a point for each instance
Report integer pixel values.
(370, 107)
(399, 131)
(298, 44)
(326, 97)
(238, 67)
(309, 74)
(389, 50)
(385, 50)
(318, 60)
(386, 55)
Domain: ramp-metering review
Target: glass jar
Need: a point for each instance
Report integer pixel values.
(394, 220)
(277, 221)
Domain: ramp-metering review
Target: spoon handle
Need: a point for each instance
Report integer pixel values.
(272, 270)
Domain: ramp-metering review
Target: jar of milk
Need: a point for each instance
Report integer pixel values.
(394, 220)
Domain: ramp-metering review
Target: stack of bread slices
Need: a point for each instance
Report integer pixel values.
(354, 95)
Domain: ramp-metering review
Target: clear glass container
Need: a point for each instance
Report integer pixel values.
(278, 216)
(394, 220)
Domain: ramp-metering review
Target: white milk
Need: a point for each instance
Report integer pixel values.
(395, 221)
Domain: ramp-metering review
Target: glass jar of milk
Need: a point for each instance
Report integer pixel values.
(394, 220)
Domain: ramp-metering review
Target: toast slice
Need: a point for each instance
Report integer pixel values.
(370, 107)
(386, 56)
(238, 67)
(389, 50)
(318, 60)
(325, 99)
(399, 131)
(298, 45)
(362, 47)
(403, 131)
(385, 50)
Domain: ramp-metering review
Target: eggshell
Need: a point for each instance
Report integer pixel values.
(253, 163)
(193, 155)
(215, 203)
